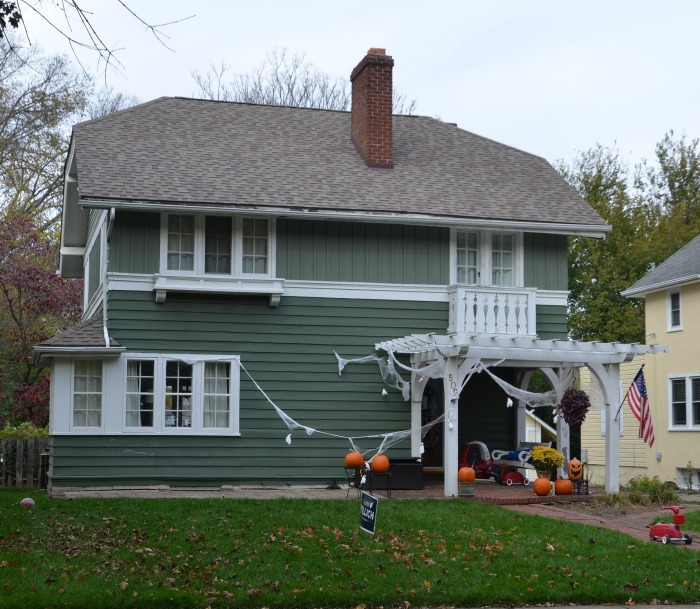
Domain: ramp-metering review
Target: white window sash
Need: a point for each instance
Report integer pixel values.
(689, 425)
(197, 424)
(236, 248)
(671, 325)
(485, 270)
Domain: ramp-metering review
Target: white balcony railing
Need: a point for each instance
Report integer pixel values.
(492, 310)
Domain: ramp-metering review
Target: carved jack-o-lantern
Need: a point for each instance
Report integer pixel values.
(575, 469)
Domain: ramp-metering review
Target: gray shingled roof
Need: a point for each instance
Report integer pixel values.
(186, 151)
(88, 333)
(681, 267)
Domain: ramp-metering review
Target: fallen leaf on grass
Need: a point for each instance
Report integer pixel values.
(630, 587)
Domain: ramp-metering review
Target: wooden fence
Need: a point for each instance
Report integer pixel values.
(24, 463)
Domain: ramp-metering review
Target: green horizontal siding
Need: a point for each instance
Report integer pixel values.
(545, 263)
(361, 252)
(289, 351)
(552, 322)
(135, 243)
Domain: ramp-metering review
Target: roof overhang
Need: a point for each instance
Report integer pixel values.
(676, 282)
(515, 351)
(311, 213)
(43, 354)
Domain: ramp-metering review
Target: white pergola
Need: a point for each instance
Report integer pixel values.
(461, 353)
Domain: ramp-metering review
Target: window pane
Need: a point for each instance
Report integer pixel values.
(87, 393)
(678, 407)
(180, 253)
(502, 260)
(467, 257)
(217, 245)
(139, 393)
(675, 310)
(255, 246)
(178, 394)
(216, 394)
(696, 401)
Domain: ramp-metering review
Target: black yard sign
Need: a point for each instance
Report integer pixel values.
(368, 518)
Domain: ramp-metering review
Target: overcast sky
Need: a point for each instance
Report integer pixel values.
(551, 77)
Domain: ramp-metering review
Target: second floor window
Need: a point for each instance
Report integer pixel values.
(216, 245)
(674, 311)
(486, 258)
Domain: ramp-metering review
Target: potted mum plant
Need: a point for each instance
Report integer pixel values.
(546, 460)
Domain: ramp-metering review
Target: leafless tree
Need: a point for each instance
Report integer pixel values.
(62, 14)
(284, 80)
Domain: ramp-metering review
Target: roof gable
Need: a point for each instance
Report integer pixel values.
(679, 268)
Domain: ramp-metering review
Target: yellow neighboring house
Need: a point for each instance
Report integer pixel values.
(634, 453)
(672, 294)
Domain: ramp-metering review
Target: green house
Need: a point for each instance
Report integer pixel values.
(229, 251)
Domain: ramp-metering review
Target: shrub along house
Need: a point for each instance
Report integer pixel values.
(229, 249)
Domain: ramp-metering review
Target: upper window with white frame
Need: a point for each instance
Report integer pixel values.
(487, 258)
(684, 402)
(674, 311)
(216, 245)
(182, 394)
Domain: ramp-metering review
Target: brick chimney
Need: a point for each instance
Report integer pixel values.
(371, 108)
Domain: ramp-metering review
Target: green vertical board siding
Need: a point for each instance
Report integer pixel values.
(93, 222)
(289, 351)
(135, 243)
(359, 252)
(94, 266)
(552, 322)
(545, 261)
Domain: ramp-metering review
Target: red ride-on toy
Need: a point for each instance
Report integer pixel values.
(667, 532)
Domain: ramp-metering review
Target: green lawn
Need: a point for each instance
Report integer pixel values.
(296, 553)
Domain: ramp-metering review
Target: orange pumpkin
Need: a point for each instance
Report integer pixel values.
(541, 487)
(467, 474)
(575, 469)
(354, 459)
(563, 487)
(380, 464)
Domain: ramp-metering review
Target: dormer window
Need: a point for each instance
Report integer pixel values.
(487, 258)
(216, 245)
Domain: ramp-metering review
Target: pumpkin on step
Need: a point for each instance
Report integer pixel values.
(563, 487)
(541, 486)
(575, 469)
(467, 474)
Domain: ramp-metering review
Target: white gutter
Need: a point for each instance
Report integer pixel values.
(661, 285)
(584, 230)
(105, 263)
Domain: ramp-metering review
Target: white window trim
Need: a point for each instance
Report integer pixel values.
(197, 427)
(87, 430)
(669, 311)
(236, 250)
(688, 402)
(485, 244)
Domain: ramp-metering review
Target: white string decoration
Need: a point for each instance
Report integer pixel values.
(388, 439)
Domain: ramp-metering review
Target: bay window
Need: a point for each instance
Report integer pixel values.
(685, 402)
(181, 394)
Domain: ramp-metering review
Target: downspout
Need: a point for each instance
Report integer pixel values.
(105, 263)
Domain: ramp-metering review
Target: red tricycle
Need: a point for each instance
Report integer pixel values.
(666, 532)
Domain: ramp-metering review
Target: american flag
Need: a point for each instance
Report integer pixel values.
(639, 403)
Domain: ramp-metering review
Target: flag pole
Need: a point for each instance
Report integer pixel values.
(626, 394)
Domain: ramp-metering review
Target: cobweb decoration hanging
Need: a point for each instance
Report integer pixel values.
(390, 377)
(388, 439)
(532, 399)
